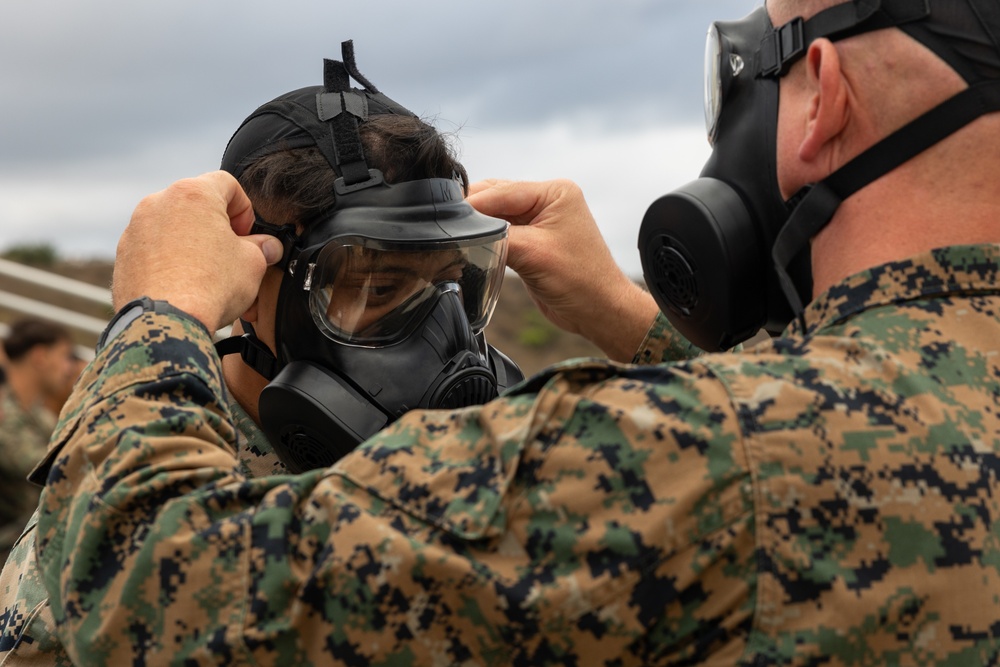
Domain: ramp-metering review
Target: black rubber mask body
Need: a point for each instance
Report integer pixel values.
(705, 247)
(330, 396)
(724, 256)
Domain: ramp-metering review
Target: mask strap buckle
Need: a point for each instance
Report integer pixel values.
(251, 349)
(284, 233)
(782, 47)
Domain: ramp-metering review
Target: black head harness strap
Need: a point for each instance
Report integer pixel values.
(328, 118)
(815, 205)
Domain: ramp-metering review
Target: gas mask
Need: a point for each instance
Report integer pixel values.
(383, 298)
(725, 256)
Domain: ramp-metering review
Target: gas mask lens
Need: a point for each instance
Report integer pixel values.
(713, 81)
(371, 293)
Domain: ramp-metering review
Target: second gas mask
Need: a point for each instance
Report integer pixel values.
(725, 255)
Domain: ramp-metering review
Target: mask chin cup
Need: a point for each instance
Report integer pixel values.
(313, 418)
(703, 263)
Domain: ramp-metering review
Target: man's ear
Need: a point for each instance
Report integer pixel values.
(829, 104)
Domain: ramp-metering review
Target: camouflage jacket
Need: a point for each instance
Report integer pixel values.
(830, 497)
(27, 626)
(24, 437)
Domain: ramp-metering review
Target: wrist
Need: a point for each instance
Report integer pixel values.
(631, 312)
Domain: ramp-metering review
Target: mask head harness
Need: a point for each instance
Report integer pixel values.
(725, 256)
(384, 296)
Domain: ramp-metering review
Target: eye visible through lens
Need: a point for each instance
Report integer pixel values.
(371, 285)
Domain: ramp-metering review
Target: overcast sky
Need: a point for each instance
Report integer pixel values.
(102, 102)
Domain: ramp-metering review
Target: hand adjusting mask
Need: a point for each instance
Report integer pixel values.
(384, 298)
(725, 256)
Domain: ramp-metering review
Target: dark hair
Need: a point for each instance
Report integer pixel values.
(296, 185)
(29, 333)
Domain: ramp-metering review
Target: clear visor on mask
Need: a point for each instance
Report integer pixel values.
(371, 293)
(713, 81)
(722, 66)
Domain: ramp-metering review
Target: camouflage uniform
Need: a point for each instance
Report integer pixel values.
(27, 627)
(24, 437)
(832, 497)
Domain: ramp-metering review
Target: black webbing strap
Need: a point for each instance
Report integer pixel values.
(252, 350)
(988, 13)
(817, 207)
(351, 65)
(305, 119)
(782, 47)
(343, 109)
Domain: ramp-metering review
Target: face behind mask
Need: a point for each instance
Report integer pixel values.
(725, 256)
(383, 299)
(381, 310)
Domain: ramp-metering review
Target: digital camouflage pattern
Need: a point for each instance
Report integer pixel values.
(828, 498)
(24, 437)
(27, 626)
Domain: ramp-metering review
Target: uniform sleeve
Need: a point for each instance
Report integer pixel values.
(664, 344)
(528, 531)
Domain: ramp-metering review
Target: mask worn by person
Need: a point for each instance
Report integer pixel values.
(725, 255)
(384, 298)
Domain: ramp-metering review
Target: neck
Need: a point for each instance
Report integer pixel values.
(244, 383)
(24, 385)
(929, 203)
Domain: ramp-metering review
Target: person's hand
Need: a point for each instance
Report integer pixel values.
(188, 245)
(557, 249)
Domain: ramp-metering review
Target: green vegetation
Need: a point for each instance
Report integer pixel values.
(40, 255)
(536, 332)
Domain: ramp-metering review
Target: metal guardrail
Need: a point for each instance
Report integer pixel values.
(64, 316)
(77, 288)
(70, 318)
(36, 308)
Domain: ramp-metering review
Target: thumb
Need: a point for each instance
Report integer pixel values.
(269, 246)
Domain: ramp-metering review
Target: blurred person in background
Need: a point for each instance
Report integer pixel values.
(39, 369)
(54, 402)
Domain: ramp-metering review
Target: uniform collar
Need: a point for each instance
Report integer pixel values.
(966, 269)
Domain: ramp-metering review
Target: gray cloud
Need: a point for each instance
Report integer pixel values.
(99, 77)
(121, 97)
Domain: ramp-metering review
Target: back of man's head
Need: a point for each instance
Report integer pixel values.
(968, 28)
(26, 334)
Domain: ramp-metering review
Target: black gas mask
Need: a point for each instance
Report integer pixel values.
(384, 297)
(725, 256)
